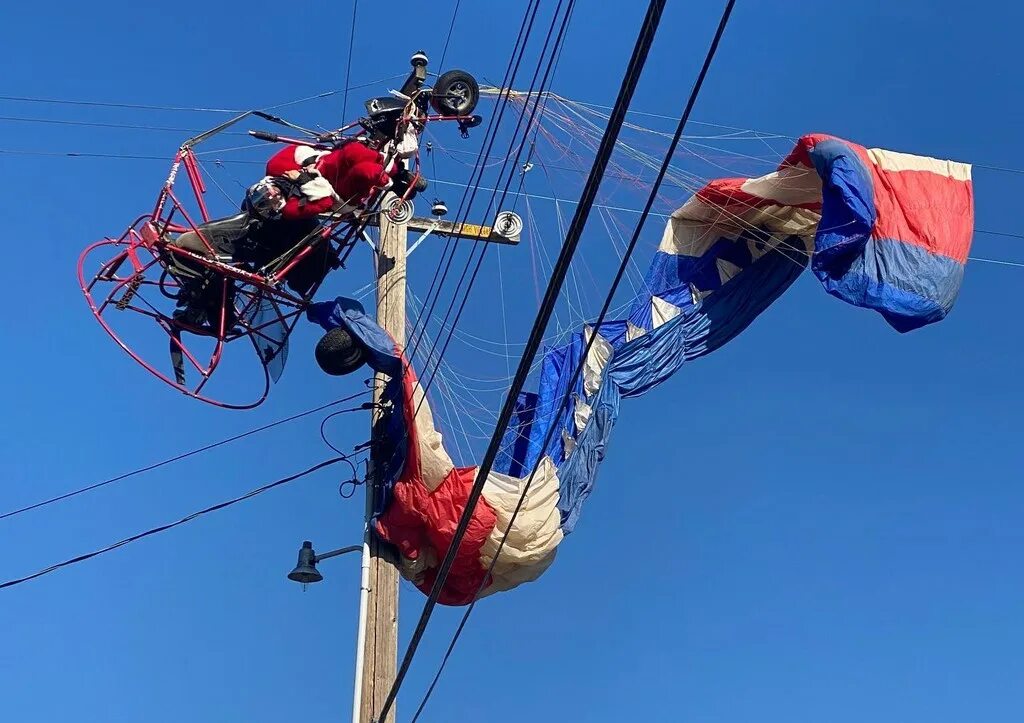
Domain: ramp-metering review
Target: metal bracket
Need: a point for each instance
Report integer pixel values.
(368, 240)
(422, 238)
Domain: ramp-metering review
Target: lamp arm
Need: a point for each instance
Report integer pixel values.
(335, 553)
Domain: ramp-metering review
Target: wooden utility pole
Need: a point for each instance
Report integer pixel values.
(380, 648)
(377, 653)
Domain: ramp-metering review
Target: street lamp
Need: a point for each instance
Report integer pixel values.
(305, 571)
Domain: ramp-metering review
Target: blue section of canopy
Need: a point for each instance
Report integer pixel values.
(875, 238)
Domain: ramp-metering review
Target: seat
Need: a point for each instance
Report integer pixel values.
(223, 234)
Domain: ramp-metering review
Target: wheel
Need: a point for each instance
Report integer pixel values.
(339, 353)
(455, 93)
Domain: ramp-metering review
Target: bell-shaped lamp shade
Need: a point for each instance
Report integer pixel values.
(305, 571)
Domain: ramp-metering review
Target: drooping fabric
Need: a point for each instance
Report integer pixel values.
(880, 230)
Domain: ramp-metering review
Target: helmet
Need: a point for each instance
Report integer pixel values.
(265, 199)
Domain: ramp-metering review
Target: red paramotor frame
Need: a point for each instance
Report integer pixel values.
(135, 273)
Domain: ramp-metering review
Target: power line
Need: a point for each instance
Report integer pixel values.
(97, 124)
(999, 233)
(348, 65)
(537, 196)
(625, 209)
(327, 94)
(476, 177)
(185, 455)
(1001, 169)
(179, 108)
(555, 52)
(552, 62)
(996, 261)
(666, 163)
(102, 104)
(451, 27)
(645, 38)
(171, 525)
(77, 154)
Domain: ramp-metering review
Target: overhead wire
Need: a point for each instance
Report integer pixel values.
(466, 202)
(541, 197)
(439, 356)
(548, 74)
(348, 65)
(637, 61)
(97, 124)
(470, 189)
(691, 101)
(448, 39)
(183, 455)
(184, 520)
(179, 108)
(327, 94)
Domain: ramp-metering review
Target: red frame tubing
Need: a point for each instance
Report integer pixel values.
(147, 232)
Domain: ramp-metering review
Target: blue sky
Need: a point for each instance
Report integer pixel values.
(820, 521)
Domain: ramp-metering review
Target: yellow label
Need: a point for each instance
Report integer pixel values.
(472, 229)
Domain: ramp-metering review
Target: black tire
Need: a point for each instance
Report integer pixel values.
(455, 93)
(339, 353)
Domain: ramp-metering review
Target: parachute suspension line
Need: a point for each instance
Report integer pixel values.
(505, 190)
(533, 120)
(512, 144)
(177, 523)
(531, 224)
(467, 402)
(183, 455)
(691, 185)
(644, 40)
(566, 17)
(504, 312)
(615, 235)
(213, 178)
(348, 65)
(444, 409)
(604, 214)
(577, 312)
(470, 189)
(575, 315)
(691, 101)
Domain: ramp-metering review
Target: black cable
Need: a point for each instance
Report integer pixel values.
(122, 126)
(479, 168)
(556, 52)
(666, 162)
(636, 63)
(553, 60)
(451, 27)
(171, 525)
(185, 455)
(101, 104)
(137, 106)
(348, 66)
(329, 417)
(77, 154)
(482, 253)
